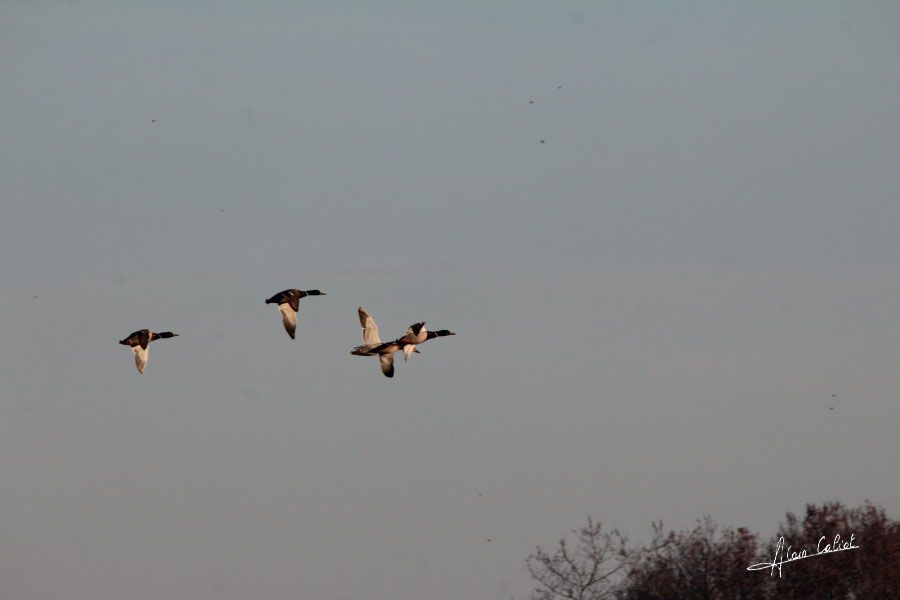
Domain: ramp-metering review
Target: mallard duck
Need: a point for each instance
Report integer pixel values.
(139, 342)
(413, 338)
(288, 303)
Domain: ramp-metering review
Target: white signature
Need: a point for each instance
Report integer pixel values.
(782, 556)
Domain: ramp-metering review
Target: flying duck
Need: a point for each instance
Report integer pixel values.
(372, 345)
(288, 303)
(416, 334)
(139, 342)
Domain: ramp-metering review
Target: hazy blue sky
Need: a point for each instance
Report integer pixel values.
(653, 308)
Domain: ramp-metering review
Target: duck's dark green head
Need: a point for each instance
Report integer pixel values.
(314, 293)
(166, 334)
(443, 332)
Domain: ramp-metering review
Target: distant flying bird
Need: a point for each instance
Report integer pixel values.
(139, 342)
(288, 303)
(372, 345)
(542, 141)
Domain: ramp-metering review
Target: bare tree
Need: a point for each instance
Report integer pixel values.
(591, 570)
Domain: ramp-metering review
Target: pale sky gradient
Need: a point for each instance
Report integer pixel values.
(653, 308)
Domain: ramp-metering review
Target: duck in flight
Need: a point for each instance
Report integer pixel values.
(140, 341)
(288, 303)
(417, 334)
(372, 344)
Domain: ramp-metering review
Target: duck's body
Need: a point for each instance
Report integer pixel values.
(288, 302)
(372, 345)
(140, 342)
(415, 334)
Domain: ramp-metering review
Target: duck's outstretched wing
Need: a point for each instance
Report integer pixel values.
(413, 331)
(408, 351)
(387, 364)
(289, 317)
(369, 328)
(140, 357)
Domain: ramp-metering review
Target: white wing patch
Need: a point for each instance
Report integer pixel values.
(289, 318)
(369, 328)
(140, 357)
(408, 351)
